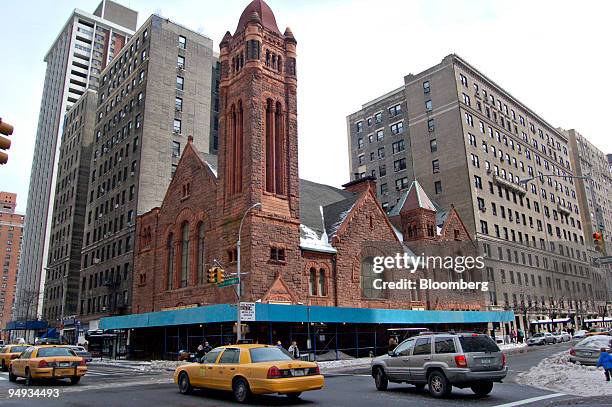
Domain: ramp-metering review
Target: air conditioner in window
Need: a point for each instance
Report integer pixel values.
(116, 205)
(131, 172)
(489, 171)
(96, 261)
(483, 209)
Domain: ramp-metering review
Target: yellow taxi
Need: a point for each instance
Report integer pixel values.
(8, 353)
(248, 369)
(598, 331)
(47, 362)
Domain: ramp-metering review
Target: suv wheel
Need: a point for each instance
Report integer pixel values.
(482, 388)
(381, 380)
(439, 386)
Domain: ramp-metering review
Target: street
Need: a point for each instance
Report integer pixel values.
(117, 386)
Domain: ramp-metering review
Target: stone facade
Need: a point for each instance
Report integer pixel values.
(306, 244)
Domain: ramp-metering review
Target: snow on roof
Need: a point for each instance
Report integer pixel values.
(310, 240)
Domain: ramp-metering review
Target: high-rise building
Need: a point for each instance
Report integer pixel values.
(64, 263)
(153, 97)
(85, 45)
(11, 228)
(507, 172)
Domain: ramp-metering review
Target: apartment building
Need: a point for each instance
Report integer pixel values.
(153, 97)
(11, 229)
(66, 239)
(84, 46)
(473, 145)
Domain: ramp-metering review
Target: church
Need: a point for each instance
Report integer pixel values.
(306, 249)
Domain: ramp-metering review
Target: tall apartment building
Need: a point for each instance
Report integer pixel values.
(471, 144)
(83, 48)
(153, 97)
(11, 228)
(64, 263)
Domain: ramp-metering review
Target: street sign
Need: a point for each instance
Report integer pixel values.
(604, 260)
(228, 282)
(247, 311)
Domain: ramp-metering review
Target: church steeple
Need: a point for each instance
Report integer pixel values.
(258, 148)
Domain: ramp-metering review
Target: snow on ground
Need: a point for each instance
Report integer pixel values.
(557, 373)
(508, 346)
(335, 364)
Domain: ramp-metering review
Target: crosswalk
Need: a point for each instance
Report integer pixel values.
(99, 371)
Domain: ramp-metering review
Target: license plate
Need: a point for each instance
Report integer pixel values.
(64, 364)
(298, 372)
(485, 361)
(63, 372)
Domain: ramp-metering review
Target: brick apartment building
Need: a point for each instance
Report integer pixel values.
(476, 144)
(11, 230)
(309, 246)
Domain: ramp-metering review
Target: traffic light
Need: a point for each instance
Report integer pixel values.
(598, 241)
(212, 275)
(6, 130)
(220, 274)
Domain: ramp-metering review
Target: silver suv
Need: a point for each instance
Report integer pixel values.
(443, 360)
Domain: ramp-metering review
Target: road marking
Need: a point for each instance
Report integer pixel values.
(346, 374)
(531, 400)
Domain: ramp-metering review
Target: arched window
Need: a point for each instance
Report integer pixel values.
(184, 254)
(170, 261)
(279, 64)
(312, 282)
(201, 258)
(367, 279)
(322, 283)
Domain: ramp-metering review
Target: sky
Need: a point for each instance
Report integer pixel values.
(551, 55)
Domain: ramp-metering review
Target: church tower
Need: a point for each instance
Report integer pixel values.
(258, 159)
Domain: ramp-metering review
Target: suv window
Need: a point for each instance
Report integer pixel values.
(230, 356)
(422, 347)
(403, 349)
(444, 345)
(480, 343)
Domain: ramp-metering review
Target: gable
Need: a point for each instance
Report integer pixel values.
(279, 293)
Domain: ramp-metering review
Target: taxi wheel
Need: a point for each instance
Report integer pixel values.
(294, 396)
(4, 368)
(184, 384)
(242, 392)
(12, 377)
(75, 379)
(29, 380)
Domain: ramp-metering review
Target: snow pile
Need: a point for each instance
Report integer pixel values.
(166, 364)
(335, 364)
(508, 346)
(557, 373)
(311, 241)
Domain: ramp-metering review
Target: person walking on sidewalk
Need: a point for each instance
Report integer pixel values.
(294, 350)
(605, 361)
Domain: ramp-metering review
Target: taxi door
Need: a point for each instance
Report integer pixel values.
(227, 368)
(21, 362)
(205, 371)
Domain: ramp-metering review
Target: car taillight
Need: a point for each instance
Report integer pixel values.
(503, 359)
(274, 372)
(317, 370)
(82, 362)
(461, 361)
(43, 363)
(572, 351)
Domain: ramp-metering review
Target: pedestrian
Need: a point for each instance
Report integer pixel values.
(279, 344)
(200, 352)
(605, 361)
(294, 350)
(513, 336)
(520, 336)
(392, 343)
(207, 347)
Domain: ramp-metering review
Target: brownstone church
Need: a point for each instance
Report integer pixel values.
(307, 245)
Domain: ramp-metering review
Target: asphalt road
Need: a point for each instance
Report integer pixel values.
(123, 387)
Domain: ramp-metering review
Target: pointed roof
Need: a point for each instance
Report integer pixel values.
(415, 197)
(265, 14)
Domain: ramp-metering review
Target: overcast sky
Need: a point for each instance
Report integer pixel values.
(554, 56)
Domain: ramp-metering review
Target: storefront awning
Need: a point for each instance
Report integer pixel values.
(302, 313)
(550, 321)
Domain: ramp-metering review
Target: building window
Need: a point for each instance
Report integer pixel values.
(433, 145)
(399, 165)
(201, 256)
(395, 110)
(176, 127)
(180, 62)
(477, 182)
(180, 83)
(401, 183)
(322, 283)
(184, 254)
(398, 146)
(178, 104)
(431, 125)
(426, 87)
(176, 149)
(428, 106)
(378, 118)
(182, 42)
(277, 254)
(312, 281)
(438, 187)
(397, 128)
(435, 166)
(382, 170)
(169, 262)
(367, 280)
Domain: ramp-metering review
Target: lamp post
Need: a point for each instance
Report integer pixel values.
(239, 291)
